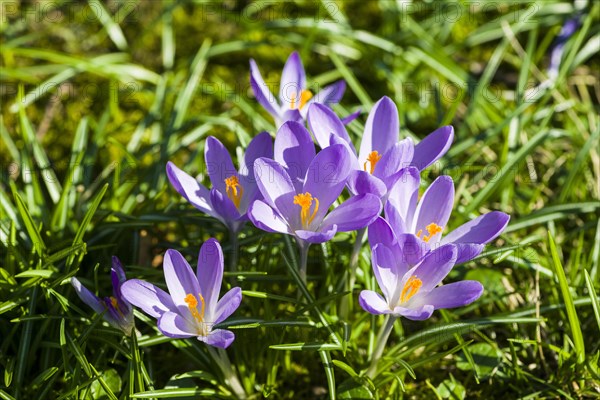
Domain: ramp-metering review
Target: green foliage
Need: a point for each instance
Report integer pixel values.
(97, 97)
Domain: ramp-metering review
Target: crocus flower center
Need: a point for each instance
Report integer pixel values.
(432, 229)
(192, 304)
(305, 200)
(234, 190)
(305, 96)
(372, 159)
(411, 287)
(115, 303)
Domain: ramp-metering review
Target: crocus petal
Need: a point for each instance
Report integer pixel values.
(317, 237)
(381, 232)
(326, 177)
(355, 213)
(88, 297)
(174, 325)
(151, 299)
(228, 304)
(218, 163)
(267, 219)
(397, 223)
(294, 149)
(351, 117)
(190, 189)
(323, 122)
(433, 147)
(373, 303)
(210, 273)
(293, 81)
(221, 338)
(224, 207)
(360, 182)
(404, 194)
(331, 94)
(481, 230)
(261, 90)
(260, 146)
(334, 139)
(288, 115)
(180, 279)
(434, 267)
(117, 274)
(415, 314)
(390, 164)
(277, 189)
(457, 294)
(386, 271)
(412, 250)
(467, 251)
(435, 207)
(381, 129)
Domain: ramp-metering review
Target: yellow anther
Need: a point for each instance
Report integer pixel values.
(432, 229)
(192, 304)
(305, 96)
(115, 303)
(234, 190)
(305, 200)
(373, 158)
(411, 287)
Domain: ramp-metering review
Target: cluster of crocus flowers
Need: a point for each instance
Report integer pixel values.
(382, 155)
(294, 96)
(410, 256)
(191, 308)
(300, 186)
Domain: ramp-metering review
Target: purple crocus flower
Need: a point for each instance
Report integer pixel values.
(294, 96)
(568, 29)
(192, 306)
(412, 292)
(115, 309)
(424, 220)
(381, 155)
(300, 207)
(233, 190)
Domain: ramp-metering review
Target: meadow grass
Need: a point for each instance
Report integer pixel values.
(97, 97)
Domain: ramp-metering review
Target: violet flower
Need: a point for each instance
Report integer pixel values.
(424, 220)
(116, 310)
(412, 292)
(381, 155)
(294, 96)
(192, 306)
(233, 190)
(568, 29)
(302, 208)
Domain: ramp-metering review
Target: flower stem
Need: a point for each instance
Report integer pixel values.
(382, 338)
(235, 250)
(346, 305)
(222, 359)
(303, 246)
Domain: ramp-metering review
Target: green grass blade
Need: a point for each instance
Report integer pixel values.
(568, 299)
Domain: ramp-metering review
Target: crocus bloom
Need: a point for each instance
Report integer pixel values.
(294, 96)
(568, 29)
(233, 190)
(412, 292)
(115, 309)
(426, 219)
(301, 209)
(381, 154)
(192, 306)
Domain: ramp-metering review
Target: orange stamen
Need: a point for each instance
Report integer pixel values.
(411, 287)
(373, 158)
(234, 190)
(305, 200)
